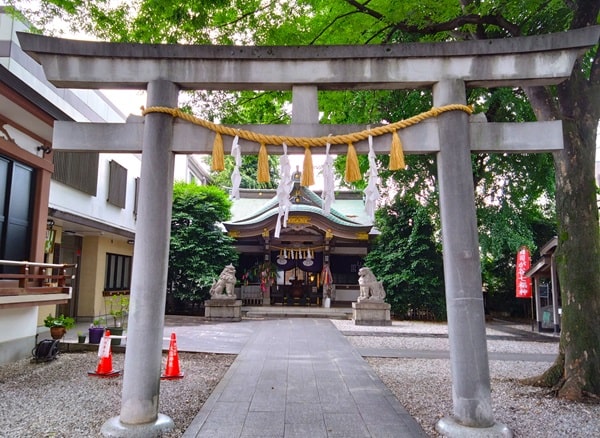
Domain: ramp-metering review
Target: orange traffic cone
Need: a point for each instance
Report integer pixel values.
(172, 370)
(104, 368)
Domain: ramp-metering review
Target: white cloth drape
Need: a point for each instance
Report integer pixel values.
(371, 192)
(283, 191)
(236, 178)
(328, 195)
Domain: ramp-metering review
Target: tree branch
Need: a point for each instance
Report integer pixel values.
(496, 20)
(245, 15)
(363, 8)
(339, 17)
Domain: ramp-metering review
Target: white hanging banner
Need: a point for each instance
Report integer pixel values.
(371, 192)
(236, 178)
(283, 191)
(328, 195)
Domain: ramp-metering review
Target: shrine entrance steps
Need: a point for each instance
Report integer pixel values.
(296, 312)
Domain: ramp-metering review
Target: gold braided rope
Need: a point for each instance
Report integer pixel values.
(352, 172)
(307, 142)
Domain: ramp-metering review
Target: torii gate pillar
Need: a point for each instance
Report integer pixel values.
(471, 392)
(139, 400)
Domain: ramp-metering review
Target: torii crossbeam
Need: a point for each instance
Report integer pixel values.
(446, 68)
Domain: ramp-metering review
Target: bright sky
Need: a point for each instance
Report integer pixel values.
(127, 101)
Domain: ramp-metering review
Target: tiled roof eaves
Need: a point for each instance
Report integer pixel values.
(319, 202)
(297, 209)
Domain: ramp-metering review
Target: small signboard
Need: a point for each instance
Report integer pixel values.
(523, 283)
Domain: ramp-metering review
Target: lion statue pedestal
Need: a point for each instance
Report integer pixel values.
(370, 309)
(223, 310)
(223, 305)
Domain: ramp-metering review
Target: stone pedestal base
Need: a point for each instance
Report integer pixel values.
(223, 309)
(114, 428)
(448, 427)
(371, 313)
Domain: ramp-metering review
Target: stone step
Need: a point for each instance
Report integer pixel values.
(296, 312)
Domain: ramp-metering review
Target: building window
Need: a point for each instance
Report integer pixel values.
(118, 272)
(117, 184)
(78, 170)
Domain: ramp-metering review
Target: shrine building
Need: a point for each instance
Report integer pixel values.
(316, 256)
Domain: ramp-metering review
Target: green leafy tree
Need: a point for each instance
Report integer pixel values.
(248, 107)
(199, 249)
(407, 258)
(248, 173)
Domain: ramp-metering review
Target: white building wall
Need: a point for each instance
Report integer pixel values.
(19, 325)
(82, 106)
(17, 333)
(69, 200)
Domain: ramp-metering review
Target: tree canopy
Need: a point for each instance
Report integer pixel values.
(408, 260)
(199, 249)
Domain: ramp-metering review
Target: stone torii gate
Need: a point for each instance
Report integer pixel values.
(446, 68)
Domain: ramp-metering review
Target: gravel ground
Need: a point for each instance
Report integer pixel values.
(58, 399)
(528, 412)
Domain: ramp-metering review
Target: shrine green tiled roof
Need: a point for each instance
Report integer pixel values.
(266, 213)
(348, 212)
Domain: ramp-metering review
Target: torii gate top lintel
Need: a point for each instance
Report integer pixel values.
(537, 60)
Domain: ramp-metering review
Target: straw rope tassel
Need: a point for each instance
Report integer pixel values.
(396, 153)
(308, 176)
(352, 169)
(263, 165)
(218, 160)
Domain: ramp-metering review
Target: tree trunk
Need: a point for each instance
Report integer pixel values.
(578, 253)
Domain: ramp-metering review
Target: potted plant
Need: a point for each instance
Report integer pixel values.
(96, 331)
(118, 308)
(81, 337)
(58, 325)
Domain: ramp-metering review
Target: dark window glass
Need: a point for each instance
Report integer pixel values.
(118, 268)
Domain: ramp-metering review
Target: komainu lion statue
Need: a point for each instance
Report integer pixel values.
(226, 281)
(370, 288)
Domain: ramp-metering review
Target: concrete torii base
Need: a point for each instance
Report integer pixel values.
(448, 427)
(115, 428)
(223, 310)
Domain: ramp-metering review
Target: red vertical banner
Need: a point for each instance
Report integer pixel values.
(523, 265)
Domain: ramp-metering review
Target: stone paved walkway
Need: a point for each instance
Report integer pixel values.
(300, 377)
